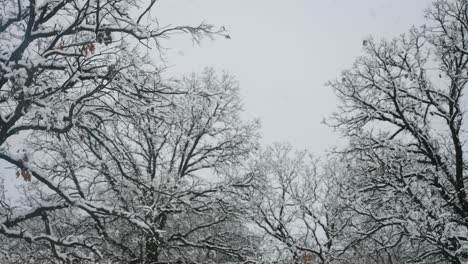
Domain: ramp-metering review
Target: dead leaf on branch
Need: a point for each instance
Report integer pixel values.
(25, 173)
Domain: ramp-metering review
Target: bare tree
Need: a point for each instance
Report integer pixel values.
(403, 112)
(113, 156)
(291, 199)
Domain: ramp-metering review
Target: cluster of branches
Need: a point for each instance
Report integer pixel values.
(286, 201)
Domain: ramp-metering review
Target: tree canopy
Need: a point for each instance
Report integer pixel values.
(119, 164)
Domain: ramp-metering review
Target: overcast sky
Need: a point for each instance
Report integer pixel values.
(283, 53)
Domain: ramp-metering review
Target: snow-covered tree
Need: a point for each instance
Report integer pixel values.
(403, 110)
(119, 165)
(291, 203)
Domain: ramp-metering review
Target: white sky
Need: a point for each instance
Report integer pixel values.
(283, 52)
